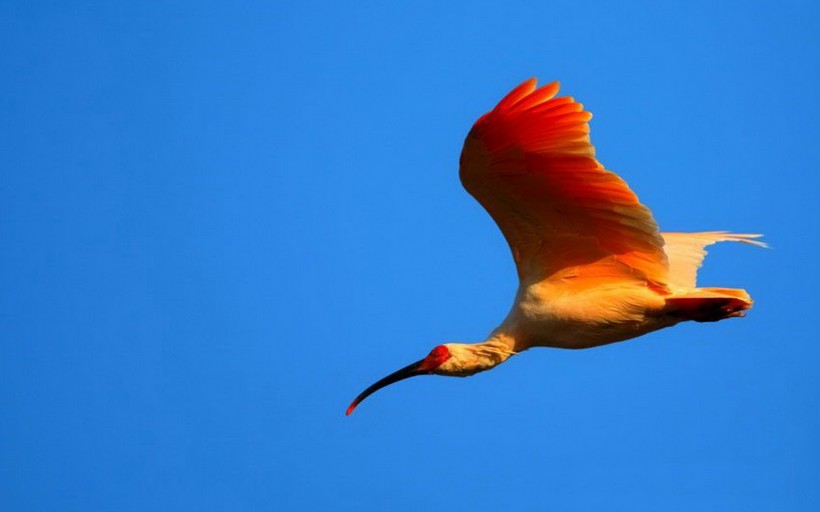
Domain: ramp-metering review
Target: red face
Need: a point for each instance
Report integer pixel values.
(435, 359)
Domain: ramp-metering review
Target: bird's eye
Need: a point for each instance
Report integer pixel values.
(439, 352)
(438, 355)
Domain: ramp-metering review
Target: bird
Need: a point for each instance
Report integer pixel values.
(593, 267)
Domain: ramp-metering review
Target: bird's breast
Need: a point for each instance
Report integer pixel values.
(554, 316)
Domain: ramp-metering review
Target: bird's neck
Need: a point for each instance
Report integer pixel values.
(490, 353)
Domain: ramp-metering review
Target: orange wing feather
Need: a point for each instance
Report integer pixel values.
(530, 163)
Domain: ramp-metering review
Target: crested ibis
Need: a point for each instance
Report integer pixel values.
(593, 268)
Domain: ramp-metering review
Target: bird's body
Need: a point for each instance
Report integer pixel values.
(561, 315)
(593, 267)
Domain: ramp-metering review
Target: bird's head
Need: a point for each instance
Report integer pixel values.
(450, 359)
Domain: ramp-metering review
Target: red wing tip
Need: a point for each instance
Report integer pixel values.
(531, 80)
(350, 409)
(521, 91)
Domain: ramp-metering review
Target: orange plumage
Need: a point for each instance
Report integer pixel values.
(593, 267)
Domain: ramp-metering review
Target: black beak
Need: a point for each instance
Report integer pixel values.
(405, 373)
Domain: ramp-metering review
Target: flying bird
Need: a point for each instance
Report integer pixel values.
(593, 268)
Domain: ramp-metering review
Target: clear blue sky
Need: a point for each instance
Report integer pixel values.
(221, 221)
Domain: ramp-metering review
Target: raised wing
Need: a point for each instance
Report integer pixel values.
(530, 164)
(687, 250)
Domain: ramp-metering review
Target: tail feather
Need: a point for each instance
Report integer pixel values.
(709, 304)
(685, 252)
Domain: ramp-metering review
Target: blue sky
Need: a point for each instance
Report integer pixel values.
(219, 222)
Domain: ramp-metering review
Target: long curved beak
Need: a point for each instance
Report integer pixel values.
(405, 373)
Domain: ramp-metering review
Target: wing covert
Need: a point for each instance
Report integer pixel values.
(530, 163)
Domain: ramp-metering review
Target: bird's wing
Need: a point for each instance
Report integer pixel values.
(687, 250)
(530, 163)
